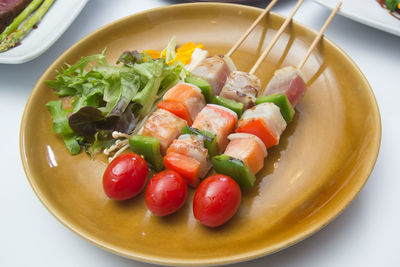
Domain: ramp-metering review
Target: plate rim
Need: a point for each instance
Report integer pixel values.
(227, 259)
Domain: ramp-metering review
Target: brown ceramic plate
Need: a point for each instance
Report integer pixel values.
(324, 158)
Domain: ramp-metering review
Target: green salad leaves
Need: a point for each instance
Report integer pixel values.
(392, 5)
(105, 98)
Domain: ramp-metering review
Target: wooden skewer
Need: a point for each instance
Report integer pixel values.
(249, 30)
(320, 34)
(276, 37)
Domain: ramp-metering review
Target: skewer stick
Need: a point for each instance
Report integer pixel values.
(320, 34)
(240, 41)
(276, 37)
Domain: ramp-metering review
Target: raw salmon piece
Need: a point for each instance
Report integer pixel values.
(164, 126)
(192, 146)
(189, 95)
(186, 166)
(217, 120)
(266, 122)
(249, 149)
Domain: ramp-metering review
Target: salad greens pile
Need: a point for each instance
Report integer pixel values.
(105, 98)
(392, 5)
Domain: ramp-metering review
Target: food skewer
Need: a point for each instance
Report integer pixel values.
(266, 121)
(228, 83)
(244, 87)
(289, 80)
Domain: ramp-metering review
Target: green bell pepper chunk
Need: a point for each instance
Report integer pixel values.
(234, 168)
(229, 103)
(210, 140)
(204, 86)
(281, 101)
(149, 148)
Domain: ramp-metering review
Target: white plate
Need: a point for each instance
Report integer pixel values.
(368, 12)
(53, 25)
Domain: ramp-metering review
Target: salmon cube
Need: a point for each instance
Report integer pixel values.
(164, 126)
(219, 121)
(265, 121)
(186, 166)
(192, 146)
(249, 149)
(189, 95)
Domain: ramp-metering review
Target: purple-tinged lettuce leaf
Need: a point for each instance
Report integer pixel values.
(129, 58)
(89, 120)
(84, 121)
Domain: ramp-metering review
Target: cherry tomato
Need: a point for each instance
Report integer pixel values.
(166, 193)
(216, 200)
(125, 176)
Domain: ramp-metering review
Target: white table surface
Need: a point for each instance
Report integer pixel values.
(365, 234)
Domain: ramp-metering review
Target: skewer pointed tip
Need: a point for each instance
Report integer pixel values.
(276, 37)
(251, 28)
(320, 34)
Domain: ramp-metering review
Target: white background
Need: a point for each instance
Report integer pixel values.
(365, 234)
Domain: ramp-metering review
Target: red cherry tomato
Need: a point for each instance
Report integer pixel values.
(216, 200)
(166, 193)
(125, 176)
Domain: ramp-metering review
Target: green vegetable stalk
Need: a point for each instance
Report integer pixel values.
(13, 39)
(21, 17)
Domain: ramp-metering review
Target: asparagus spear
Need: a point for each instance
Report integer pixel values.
(13, 39)
(21, 17)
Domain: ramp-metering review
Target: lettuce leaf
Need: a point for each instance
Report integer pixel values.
(152, 70)
(170, 50)
(61, 126)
